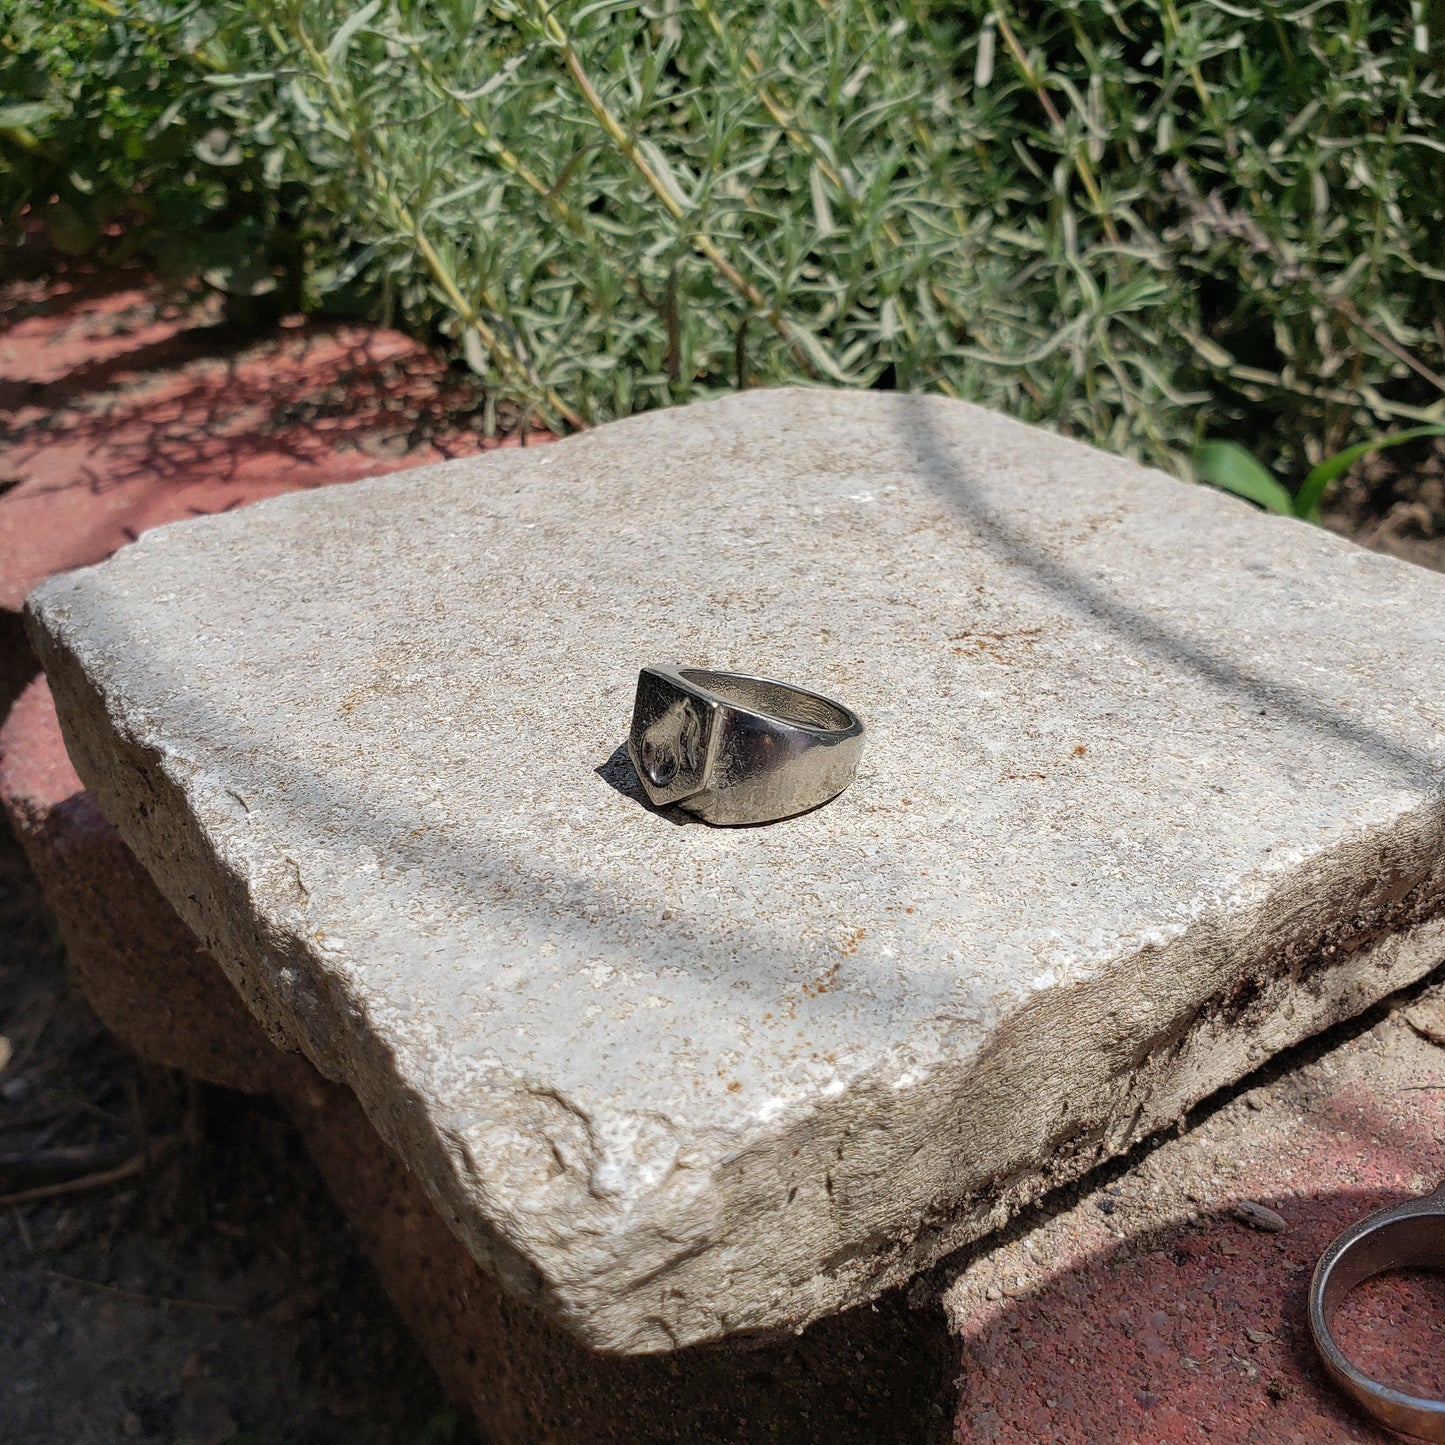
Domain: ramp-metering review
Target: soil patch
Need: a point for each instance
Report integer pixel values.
(1394, 502)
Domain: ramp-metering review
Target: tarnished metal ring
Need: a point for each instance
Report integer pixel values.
(739, 749)
(1405, 1236)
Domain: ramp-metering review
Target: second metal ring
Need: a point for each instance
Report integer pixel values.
(1406, 1236)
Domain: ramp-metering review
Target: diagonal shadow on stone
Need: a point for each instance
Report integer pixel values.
(140, 781)
(948, 472)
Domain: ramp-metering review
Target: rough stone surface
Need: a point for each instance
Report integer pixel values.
(881, 1375)
(138, 965)
(1144, 1311)
(1153, 789)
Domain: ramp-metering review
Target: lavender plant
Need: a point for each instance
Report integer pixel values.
(1134, 220)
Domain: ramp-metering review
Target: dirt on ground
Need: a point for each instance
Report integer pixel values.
(1394, 502)
(1165, 1298)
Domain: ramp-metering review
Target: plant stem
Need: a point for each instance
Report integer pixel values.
(701, 242)
(1079, 156)
(403, 220)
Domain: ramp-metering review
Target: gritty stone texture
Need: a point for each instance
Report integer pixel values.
(1152, 790)
(140, 968)
(882, 1374)
(879, 1375)
(1151, 1310)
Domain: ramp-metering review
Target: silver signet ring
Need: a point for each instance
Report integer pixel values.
(1405, 1236)
(735, 749)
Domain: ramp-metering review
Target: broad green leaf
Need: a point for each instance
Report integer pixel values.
(1307, 503)
(1232, 469)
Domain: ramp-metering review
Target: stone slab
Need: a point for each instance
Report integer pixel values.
(1153, 789)
(879, 1375)
(1145, 1309)
(139, 967)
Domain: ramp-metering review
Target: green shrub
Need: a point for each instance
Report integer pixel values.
(1133, 221)
(106, 126)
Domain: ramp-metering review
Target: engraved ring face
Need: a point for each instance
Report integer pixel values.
(672, 744)
(739, 749)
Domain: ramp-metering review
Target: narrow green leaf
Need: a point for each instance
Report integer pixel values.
(818, 355)
(662, 169)
(474, 352)
(233, 82)
(822, 211)
(1232, 469)
(1307, 503)
(337, 47)
(495, 81)
(327, 282)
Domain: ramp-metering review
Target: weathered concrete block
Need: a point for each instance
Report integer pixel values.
(138, 965)
(1153, 788)
(882, 1375)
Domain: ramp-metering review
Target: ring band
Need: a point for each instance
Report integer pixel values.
(737, 749)
(1405, 1236)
